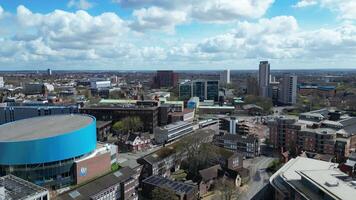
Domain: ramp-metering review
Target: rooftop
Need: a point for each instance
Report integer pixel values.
(331, 181)
(290, 175)
(98, 185)
(18, 189)
(42, 127)
(178, 187)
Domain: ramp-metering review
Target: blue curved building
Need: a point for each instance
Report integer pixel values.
(43, 149)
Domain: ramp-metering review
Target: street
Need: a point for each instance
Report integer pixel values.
(259, 176)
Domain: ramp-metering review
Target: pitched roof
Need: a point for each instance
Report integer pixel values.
(209, 173)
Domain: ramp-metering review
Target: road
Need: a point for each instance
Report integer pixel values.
(259, 176)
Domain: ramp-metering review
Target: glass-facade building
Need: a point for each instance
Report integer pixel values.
(212, 90)
(203, 89)
(199, 90)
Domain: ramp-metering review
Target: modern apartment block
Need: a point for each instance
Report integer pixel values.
(247, 145)
(309, 179)
(264, 78)
(284, 132)
(288, 90)
(233, 126)
(225, 77)
(319, 132)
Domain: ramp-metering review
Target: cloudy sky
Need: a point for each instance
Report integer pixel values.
(177, 34)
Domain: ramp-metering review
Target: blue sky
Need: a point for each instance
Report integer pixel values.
(177, 34)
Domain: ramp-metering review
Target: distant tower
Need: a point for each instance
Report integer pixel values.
(264, 78)
(2, 83)
(288, 90)
(49, 72)
(225, 77)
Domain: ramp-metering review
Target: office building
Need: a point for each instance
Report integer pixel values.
(264, 78)
(148, 115)
(49, 72)
(314, 89)
(203, 89)
(212, 90)
(120, 185)
(165, 79)
(34, 89)
(288, 90)
(99, 84)
(54, 151)
(309, 179)
(15, 188)
(171, 132)
(225, 77)
(185, 90)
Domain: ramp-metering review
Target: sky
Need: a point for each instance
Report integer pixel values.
(177, 34)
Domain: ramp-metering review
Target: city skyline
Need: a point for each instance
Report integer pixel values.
(179, 35)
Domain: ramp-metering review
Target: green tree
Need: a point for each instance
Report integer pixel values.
(163, 194)
(227, 189)
(263, 102)
(116, 94)
(128, 125)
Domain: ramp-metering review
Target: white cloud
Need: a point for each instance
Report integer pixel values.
(1, 12)
(165, 14)
(280, 38)
(157, 18)
(80, 4)
(305, 3)
(344, 8)
(227, 10)
(66, 39)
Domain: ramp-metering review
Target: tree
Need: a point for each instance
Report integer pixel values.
(263, 102)
(128, 125)
(116, 94)
(227, 189)
(163, 194)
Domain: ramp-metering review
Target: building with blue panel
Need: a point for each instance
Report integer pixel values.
(44, 149)
(13, 112)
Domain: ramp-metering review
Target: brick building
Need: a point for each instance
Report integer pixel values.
(320, 132)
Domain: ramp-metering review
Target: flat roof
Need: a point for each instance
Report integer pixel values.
(332, 182)
(113, 101)
(42, 127)
(17, 188)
